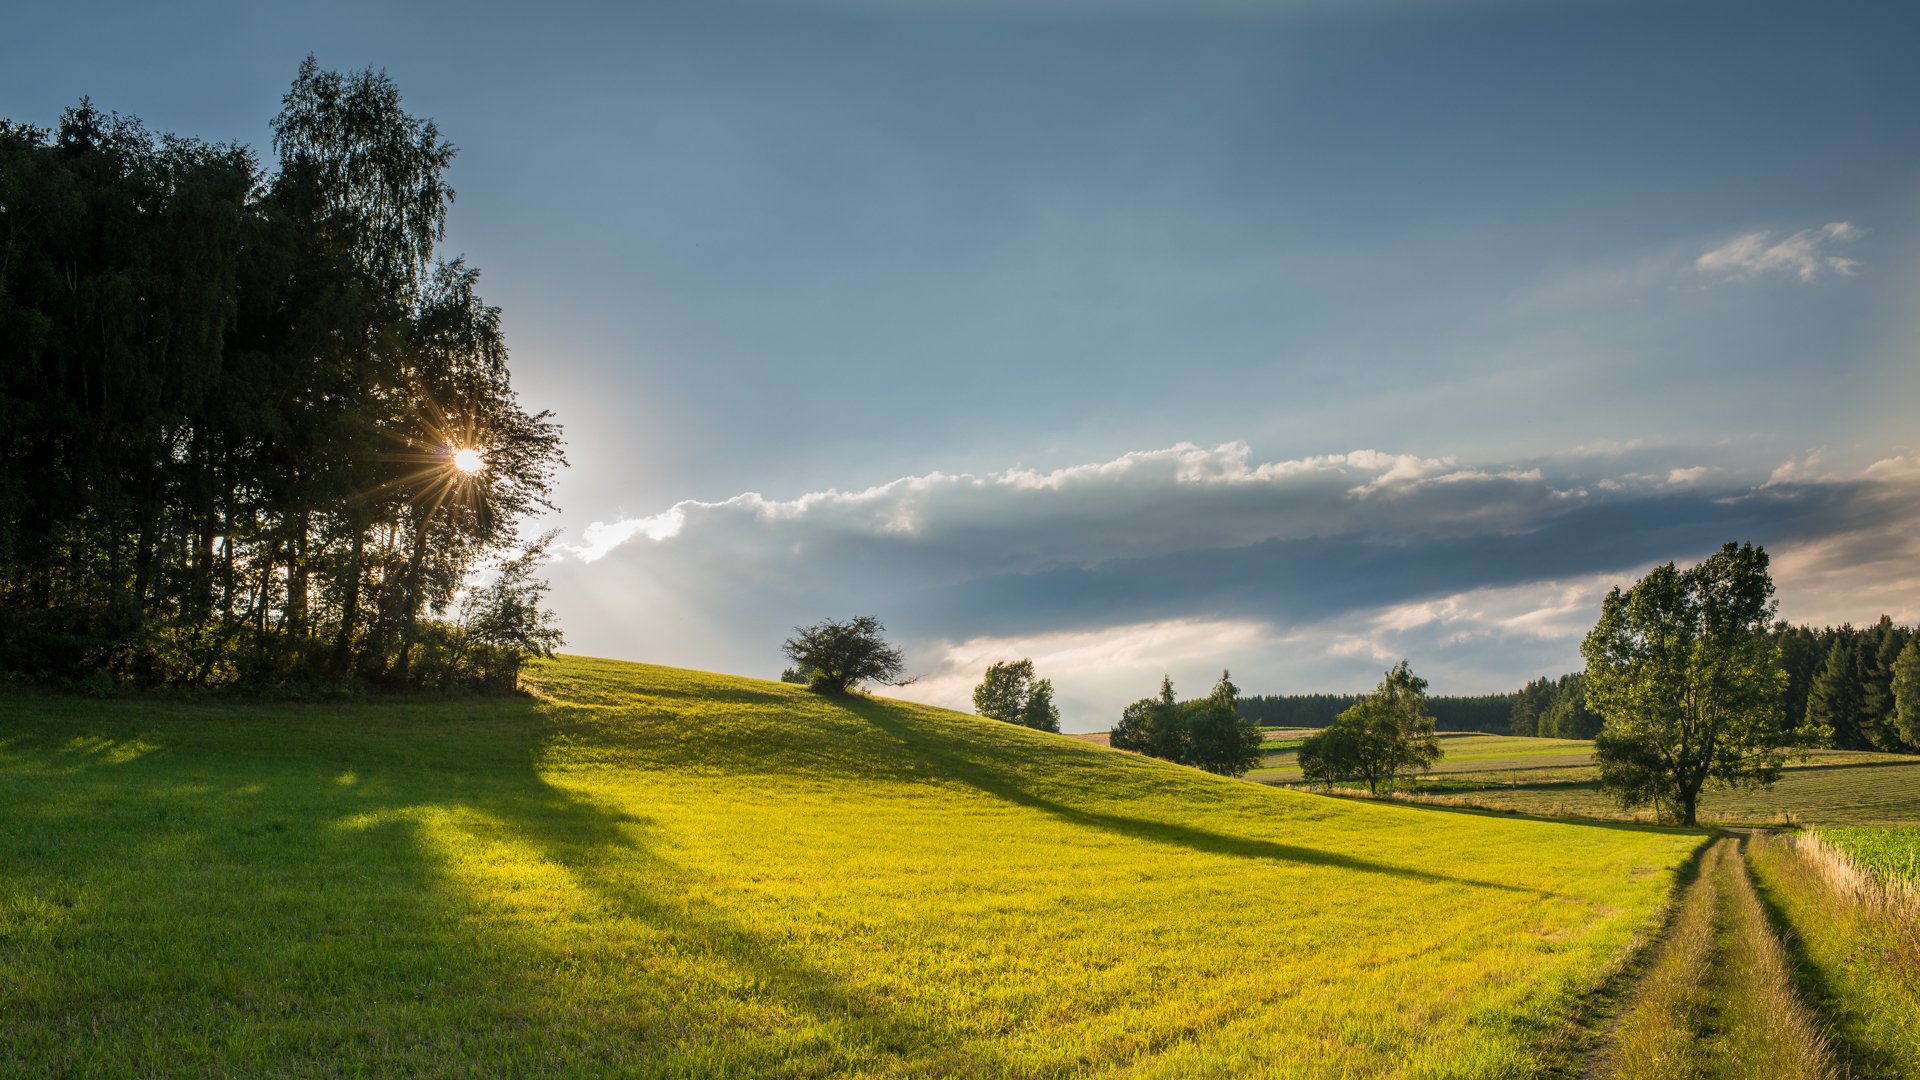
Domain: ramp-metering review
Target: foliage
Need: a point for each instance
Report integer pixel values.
(1209, 733)
(839, 656)
(1481, 712)
(1386, 735)
(1905, 684)
(1687, 676)
(645, 871)
(503, 623)
(230, 401)
(1841, 682)
(1009, 692)
(1219, 739)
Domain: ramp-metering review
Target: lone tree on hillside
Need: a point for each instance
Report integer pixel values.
(838, 656)
(1383, 736)
(1688, 680)
(1011, 693)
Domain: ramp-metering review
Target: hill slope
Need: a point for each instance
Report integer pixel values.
(656, 871)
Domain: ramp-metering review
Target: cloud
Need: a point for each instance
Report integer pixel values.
(1304, 573)
(1806, 254)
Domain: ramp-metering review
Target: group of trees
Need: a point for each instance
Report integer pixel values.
(1553, 709)
(253, 429)
(1847, 680)
(1476, 712)
(1382, 737)
(1208, 733)
(1010, 692)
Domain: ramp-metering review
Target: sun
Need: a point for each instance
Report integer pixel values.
(469, 461)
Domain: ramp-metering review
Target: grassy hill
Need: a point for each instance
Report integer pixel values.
(661, 872)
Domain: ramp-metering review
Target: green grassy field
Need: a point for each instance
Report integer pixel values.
(1556, 778)
(660, 872)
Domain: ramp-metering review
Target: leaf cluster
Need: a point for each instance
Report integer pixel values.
(1384, 736)
(837, 656)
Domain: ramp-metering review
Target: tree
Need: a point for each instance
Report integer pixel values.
(1219, 739)
(504, 623)
(1833, 698)
(842, 655)
(1686, 676)
(1009, 692)
(1384, 736)
(1906, 692)
(1153, 726)
(1528, 704)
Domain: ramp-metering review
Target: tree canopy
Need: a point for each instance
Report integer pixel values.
(1384, 736)
(838, 656)
(1208, 733)
(1010, 692)
(254, 428)
(1686, 675)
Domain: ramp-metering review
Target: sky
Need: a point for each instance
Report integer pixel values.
(1147, 336)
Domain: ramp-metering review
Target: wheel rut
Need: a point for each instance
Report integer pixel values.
(1717, 998)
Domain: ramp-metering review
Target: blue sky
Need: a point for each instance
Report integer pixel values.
(800, 248)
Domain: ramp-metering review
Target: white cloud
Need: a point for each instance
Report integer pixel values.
(1096, 672)
(1806, 254)
(1311, 573)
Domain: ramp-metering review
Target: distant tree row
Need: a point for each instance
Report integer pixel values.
(1847, 679)
(253, 429)
(1554, 709)
(1482, 712)
(1208, 733)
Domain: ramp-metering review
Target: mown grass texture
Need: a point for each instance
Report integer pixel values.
(659, 872)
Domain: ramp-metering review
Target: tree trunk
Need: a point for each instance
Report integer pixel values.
(350, 607)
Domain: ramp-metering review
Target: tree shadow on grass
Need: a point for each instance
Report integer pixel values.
(312, 910)
(994, 778)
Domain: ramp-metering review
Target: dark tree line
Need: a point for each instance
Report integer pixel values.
(1844, 678)
(1483, 712)
(231, 403)
(1554, 709)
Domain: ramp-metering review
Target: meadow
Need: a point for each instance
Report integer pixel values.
(649, 871)
(1556, 778)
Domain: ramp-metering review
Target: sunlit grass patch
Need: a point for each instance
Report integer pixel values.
(659, 871)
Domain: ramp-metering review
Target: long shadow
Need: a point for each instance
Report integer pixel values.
(279, 839)
(984, 777)
(1819, 990)
(606, 851)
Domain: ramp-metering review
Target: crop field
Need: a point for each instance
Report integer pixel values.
(1888, 854)
(659, 872)
(1556, 778)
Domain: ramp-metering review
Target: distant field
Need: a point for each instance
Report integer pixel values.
(662, 872)
(1556, 777)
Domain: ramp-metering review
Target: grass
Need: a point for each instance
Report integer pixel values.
(660, 872)
(1556, 778)
(1859, 941)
